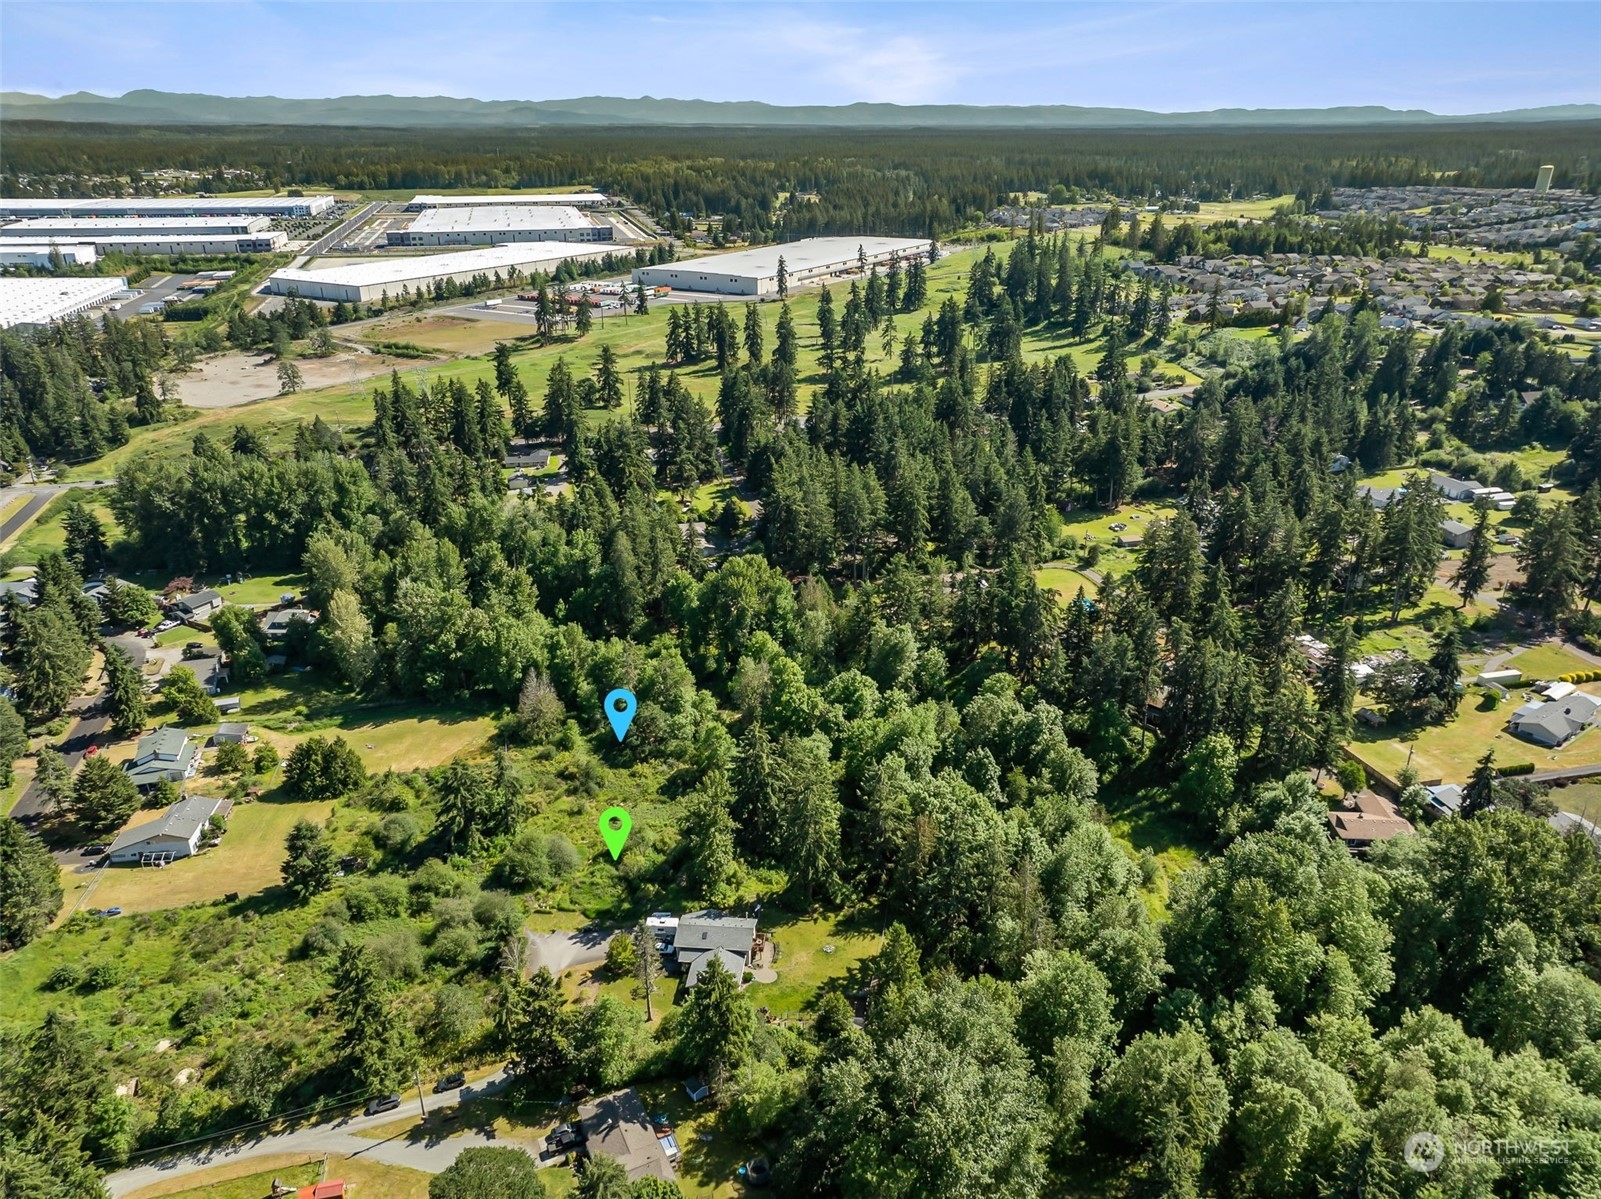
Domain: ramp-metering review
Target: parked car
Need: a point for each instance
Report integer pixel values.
(167, 624)
(90, 851)
(450, 1082)
(113, 911)
(91, 751)
(386, 1103)
(564, 1137)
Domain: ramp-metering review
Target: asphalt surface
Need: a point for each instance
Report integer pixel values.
(88, 725)
(323, 243)
(413, 1148)
(15, 523)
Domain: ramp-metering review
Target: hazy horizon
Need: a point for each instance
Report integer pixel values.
(1447, 58)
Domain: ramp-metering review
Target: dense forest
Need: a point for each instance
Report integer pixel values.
(865, 181)
(871, 694)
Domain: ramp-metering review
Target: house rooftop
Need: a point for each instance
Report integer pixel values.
(734, 963)
(616, 1125)
(181, 821)
(708, 930)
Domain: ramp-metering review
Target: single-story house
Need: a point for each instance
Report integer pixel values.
(1380, 497)
(275, 624)
(1556, 722)
(522, 455)
(1129, 541)
(26, 590)
(230, 731)
(713, 932)
(1374, 819)
(212, 672)
(198, 606)
(1455, 534)
(164, 756)
(1454, 489)
(616, 1125)
(176, 834)
(1445, 799)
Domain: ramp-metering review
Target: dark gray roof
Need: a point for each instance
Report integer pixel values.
(705, 931)
(734, 963)
(181, 822)
(198, 599)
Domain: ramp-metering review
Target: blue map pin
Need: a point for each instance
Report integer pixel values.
(620, 705)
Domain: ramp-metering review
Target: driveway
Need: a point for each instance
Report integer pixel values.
(560, 950)
(89, 723)
(411, 1148)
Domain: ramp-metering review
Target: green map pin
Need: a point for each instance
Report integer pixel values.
(614, 826)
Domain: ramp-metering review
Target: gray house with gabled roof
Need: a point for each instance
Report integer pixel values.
(706, 933)
(176, 834)
(164, 756)
(1555, 723)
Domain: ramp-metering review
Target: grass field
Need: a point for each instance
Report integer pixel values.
(1448, 752)
(1582, 799)
(252, 1179)
(1547, 662)
(1066, 582)
(247, 861)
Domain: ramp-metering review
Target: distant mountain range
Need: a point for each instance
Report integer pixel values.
(146, 107)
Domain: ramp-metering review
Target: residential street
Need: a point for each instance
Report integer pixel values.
(337, 1137)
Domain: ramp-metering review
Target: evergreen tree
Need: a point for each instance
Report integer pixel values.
(125, 692)
(1473, 572)
(103, 796)
(30, 886)
(717, 1023)
(309, 865)
(375, 1040)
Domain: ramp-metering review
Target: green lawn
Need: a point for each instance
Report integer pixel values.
(1448, 752)
(364, 1179)
(1066, 582)
(1546, 662)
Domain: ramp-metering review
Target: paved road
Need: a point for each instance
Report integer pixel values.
(30, 508)
(415, 1149)
(90, 722)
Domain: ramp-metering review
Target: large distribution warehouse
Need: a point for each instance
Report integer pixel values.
(171, 206)
(567, 199)
(755, 272)
(27, 302)
(492, 226)
(372, 280)
(142, 226)
(265, 242)
(19, 252)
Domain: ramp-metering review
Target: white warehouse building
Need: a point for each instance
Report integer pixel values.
(372, 280)
(170, 206)
(19, 252)
(141, 226)
(266, 242)
(567, 199)
(755, 272)
(493, 226)
(31, 302)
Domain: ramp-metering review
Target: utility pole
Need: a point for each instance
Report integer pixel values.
(421, 1106)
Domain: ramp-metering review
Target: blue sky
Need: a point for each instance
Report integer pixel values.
(1449, 56)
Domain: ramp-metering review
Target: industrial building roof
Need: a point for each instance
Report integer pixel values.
(489, 259)
(809, 254)
(72, 225)
(168, 206)
(469, 201)
(499, 218)
(40, 301)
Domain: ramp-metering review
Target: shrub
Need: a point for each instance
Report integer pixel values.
(103, 976)
(453, 912)
(64, 977)
(621, 957)
(500, 914)
(324, 937)
(323, 768)
(526, 865)
(397, 955)
(433, 880)
(455, 947)
(398, 833)
(375, 898)
(1515, 768)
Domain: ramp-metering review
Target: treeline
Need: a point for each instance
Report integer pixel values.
(864, 181)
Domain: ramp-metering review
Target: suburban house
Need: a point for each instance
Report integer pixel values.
(1444, 798)
(616, 1125)
(1557, 722)
(707, 934)
(177, 834)
(1374, 818)
(1455, 489)
(198, 606)
(230, 731)
(1380, 497)
(521, 455)
(275, 625)
(212, 672)
(1455, 534)
(164, 756)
